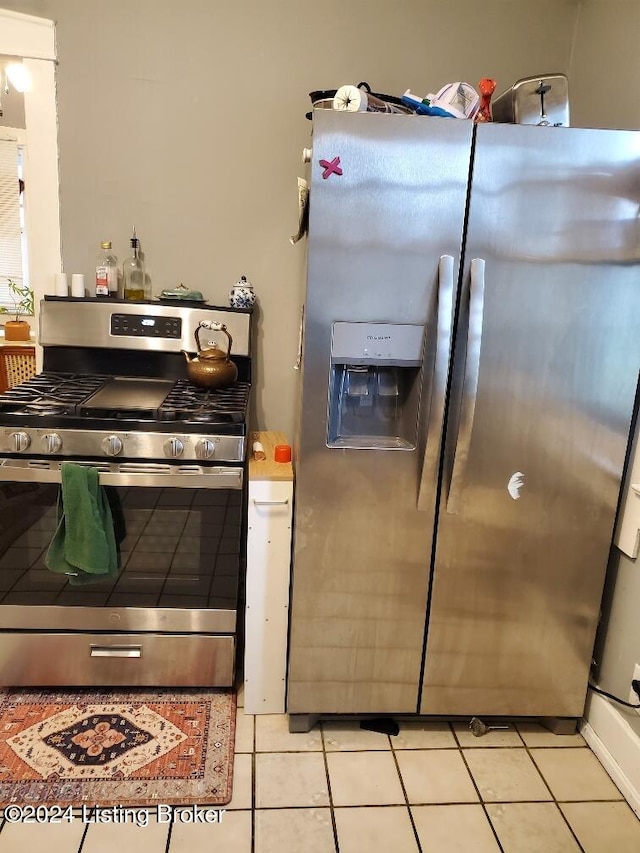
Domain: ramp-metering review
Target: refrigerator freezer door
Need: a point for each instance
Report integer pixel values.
(521, 555)
(362, 546)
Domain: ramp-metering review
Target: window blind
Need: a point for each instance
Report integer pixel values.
(10, 231)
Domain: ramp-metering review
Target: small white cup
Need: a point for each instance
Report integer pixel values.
(77, 284)
(62, 286)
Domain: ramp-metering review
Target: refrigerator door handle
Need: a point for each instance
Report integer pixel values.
(470, 384)
(433, 446)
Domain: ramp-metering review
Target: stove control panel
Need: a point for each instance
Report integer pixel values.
(129, 445)
(145, 326)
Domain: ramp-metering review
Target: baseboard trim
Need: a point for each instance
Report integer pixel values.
(615, 744)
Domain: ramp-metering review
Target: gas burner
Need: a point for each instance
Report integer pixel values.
(47, 408)
(186, 402)
(199, 417)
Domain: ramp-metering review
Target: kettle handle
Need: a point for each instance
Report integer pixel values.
(219, 327)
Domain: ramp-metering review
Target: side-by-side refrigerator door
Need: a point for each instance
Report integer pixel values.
(544, 381)
(387, 205)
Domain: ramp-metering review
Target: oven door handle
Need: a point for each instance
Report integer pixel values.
(128, 474)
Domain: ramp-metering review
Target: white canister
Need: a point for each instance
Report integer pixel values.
(62, 285)
(77, 284)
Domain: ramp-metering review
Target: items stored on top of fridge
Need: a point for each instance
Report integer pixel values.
(459, 100)
(454, 100)
(356, 99)
(323, 99)
(414, 101)
(487, 87)
(542, 100)
(423, 107)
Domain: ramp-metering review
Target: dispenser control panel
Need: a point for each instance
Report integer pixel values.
(398, 344)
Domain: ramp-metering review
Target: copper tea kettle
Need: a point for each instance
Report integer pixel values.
(211, 367)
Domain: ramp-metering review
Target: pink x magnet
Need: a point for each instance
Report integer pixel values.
(331, 167)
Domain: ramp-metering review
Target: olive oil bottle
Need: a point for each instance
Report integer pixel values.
(133, 273)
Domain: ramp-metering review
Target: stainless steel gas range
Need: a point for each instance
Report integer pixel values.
(113, 395)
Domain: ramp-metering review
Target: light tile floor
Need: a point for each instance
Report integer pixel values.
(434, 788)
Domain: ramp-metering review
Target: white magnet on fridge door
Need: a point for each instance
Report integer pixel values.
(515, 484)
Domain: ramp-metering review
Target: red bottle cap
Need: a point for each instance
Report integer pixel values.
(282, 453)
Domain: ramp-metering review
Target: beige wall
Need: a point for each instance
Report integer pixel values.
(187, 120)
(605, 71)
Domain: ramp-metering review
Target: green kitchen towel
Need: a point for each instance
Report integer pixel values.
(83, 545)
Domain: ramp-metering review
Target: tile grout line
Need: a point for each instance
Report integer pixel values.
(430, 804)
(325, 760)
(473, 782)
(533, 761)
(406, 796)
(84, 834)
(254, 736)
(170, 832)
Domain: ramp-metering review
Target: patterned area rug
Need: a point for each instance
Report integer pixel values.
(140, 748)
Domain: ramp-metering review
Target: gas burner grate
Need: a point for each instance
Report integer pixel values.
(186, 402)
(50, 393)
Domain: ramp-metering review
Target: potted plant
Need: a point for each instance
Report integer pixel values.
(17, 329)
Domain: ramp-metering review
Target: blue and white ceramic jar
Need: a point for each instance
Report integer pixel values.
(242, 294)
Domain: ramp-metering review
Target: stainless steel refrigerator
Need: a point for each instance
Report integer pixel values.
(470, 366)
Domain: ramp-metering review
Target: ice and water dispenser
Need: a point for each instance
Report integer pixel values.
(374, 392)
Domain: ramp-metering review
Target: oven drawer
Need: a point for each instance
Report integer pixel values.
(141, 660)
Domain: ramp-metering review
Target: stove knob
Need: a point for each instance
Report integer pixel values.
(19, 441)
(52, 442)
(173, 447)
(205, 448)
(112, 445)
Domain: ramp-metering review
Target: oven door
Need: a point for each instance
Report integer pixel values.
(168, 616)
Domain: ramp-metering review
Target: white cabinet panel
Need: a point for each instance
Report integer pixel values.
(267, 595)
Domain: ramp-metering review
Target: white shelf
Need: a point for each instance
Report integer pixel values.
(268, 580)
